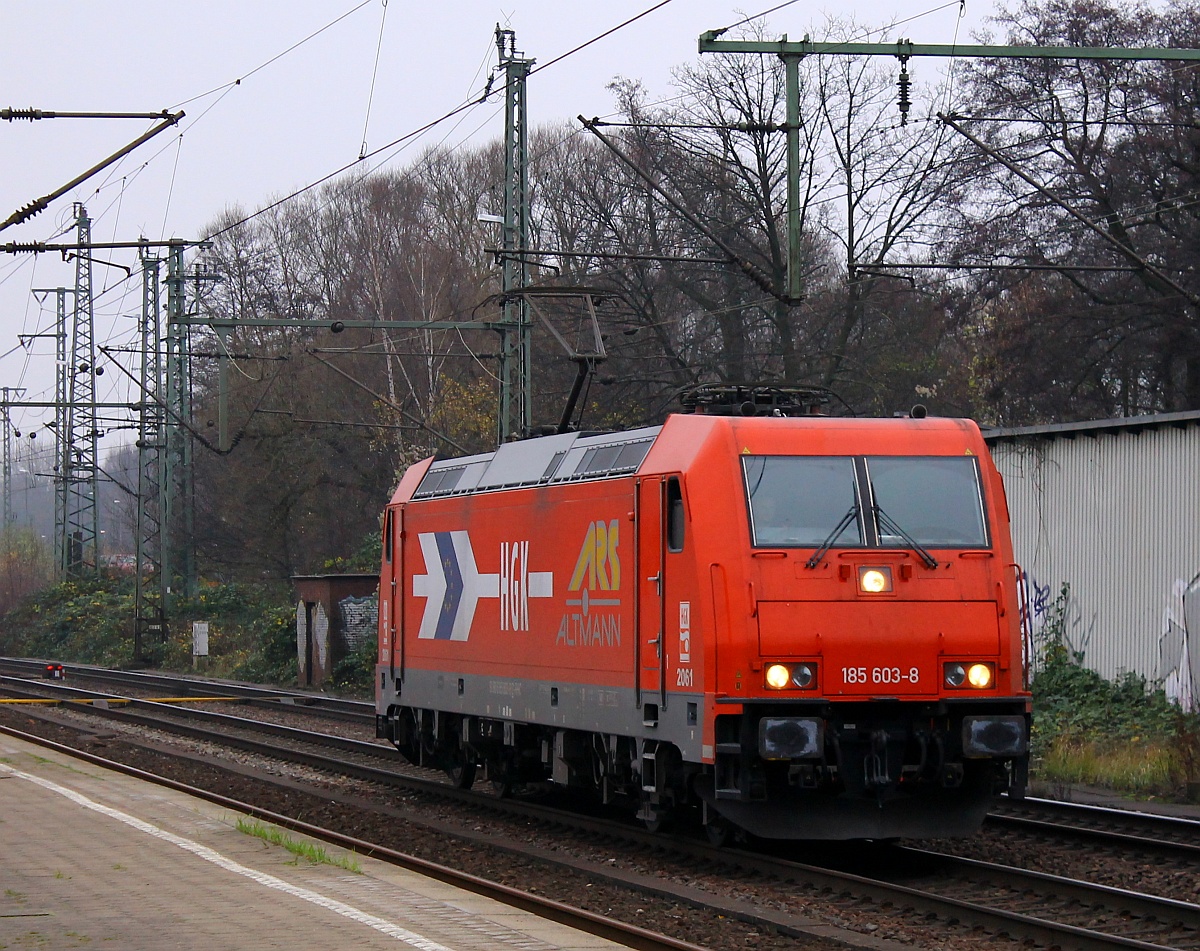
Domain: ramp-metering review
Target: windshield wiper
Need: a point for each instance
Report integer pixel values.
(832, 537)
(885, 522)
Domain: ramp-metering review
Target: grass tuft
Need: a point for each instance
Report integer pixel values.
(314, 854)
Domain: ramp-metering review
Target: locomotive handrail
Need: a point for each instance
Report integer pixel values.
(1025, 619)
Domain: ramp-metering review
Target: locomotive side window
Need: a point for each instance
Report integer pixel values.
(802, 500)
(675, 519)
(936, 500)
(387, 537)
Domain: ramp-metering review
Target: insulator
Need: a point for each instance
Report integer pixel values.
(30, 114)
(904, 84)
(28, 211)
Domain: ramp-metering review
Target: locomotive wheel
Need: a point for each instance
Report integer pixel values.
(461, 771)
(719, 830)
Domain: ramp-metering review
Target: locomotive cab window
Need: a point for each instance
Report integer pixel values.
(935, 500)
(387, 537)
(865, 501)
(800, 501)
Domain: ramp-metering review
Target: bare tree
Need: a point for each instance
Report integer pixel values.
(1095, 172)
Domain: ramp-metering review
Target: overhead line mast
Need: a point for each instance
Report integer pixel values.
(515, 415)
(4, 406)
(80, 546)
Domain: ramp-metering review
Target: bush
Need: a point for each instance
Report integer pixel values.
(1124, 733)
(355, 673)
(25, 566)
(252, 635)
(89, 622)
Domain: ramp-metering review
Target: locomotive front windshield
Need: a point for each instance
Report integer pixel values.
(872, 501)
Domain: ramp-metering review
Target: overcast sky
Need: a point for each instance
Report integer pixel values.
(300, 112)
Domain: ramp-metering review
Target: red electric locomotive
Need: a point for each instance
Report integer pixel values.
(796, 626)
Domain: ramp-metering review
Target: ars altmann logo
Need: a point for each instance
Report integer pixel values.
(595, 620)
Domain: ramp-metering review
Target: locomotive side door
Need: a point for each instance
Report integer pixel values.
(391, 603)
(651, 578)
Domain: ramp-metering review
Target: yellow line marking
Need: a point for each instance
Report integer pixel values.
(51, 702)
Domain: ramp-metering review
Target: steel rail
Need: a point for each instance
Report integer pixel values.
(1145, 912)
(353, 710)
(1164, 834)
(1126, 826)
(159, 716)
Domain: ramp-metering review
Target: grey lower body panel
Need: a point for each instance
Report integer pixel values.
(556, 704)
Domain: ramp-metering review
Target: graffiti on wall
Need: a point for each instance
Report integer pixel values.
(360, 620)
(1051, 611)
(319, 650)
(1178, 650)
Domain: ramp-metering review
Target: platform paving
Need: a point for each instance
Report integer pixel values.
(91, 858)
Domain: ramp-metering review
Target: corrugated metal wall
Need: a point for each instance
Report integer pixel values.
(1116, 515)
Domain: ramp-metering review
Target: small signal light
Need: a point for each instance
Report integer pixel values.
(803, 676)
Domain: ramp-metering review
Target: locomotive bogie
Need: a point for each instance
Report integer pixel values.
(799, 628)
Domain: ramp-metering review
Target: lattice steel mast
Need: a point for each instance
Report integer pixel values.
(151, 588)
(177, 513)
(515, 352)
(8, 507)
(81, 555)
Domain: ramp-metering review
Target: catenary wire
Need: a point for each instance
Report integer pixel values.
(374, 74)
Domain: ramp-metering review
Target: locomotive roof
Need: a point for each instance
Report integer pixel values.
(568, 457)
(577, 457)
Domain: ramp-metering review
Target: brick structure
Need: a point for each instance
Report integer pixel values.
(335, 615)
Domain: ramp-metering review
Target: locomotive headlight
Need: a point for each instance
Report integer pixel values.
(956, 675)
(874, 580)
(778, 676)
(979, 676)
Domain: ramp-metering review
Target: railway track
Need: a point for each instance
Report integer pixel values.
(1167, 835)
(1029, 906)
(1117, 828)
(318, 704)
